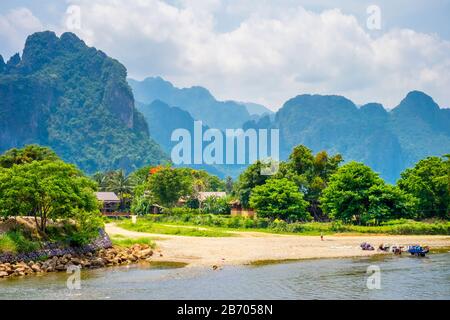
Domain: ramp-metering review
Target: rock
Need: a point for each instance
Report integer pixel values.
(85, 263)
(146, 253)
(132, 258)
(98, 263)
(61, 267)
(19, 269)
(3, 274)
(36, 268)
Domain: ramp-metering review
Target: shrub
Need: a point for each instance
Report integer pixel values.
(16, 241)
(216, 205)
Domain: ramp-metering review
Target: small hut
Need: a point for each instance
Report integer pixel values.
(110, 202)
(237, 210)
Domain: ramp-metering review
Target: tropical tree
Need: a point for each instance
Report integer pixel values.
(387, 202)
(248, 180)
(122, 185)
(279, 198)
(46, 190)
(216, 205)
(429, 182)
(311, 174)
(229, 184)
(356, 194)
(26, 155)
(141, 175)
(101, 179)
(168, 185)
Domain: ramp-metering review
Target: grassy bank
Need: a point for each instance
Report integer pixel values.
(128, 242)
(20, 235)
(16, 242)
(150, 226)
(217, 226)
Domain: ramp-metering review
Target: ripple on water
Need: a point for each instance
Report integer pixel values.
(401, 278)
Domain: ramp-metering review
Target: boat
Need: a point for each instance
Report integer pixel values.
(418, 250)
(366, 246)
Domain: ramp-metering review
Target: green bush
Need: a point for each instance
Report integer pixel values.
(216, 205)
(16, 241)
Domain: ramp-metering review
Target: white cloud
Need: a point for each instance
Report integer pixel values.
(15, 26)
(274, 53)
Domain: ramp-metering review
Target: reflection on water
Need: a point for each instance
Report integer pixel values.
(401, 278)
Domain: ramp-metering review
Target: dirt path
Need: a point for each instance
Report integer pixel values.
(254, 246)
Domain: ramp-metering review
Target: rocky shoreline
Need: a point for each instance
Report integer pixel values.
(114, 256)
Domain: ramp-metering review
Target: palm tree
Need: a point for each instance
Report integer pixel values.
(102, 180)
(121, 184)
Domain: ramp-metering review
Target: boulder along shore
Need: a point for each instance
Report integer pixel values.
(114, 256)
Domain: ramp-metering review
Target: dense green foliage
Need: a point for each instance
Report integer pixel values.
(311, 174)
(75, 99)
(429, 182)
(52, 192)
(216, 205)
(249, 179)
(356, 194)
(26, 155)
(279, 198)
(45, 190)
(168, 185)
(353, 193)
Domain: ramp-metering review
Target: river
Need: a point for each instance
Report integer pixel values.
(403, 277)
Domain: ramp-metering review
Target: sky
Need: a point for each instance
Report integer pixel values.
(258, 50)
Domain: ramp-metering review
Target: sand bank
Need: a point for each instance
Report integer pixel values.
(248, 247)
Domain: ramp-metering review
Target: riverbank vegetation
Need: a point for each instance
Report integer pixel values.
(149, 225)
(55, 199)
(219, 225)
(310, 194)
(309, 189)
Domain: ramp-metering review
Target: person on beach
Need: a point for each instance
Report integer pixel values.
(321, 236)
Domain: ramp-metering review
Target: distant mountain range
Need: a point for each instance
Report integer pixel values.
(389, 142)
(198, 101)
(76, 100)
(256, 109)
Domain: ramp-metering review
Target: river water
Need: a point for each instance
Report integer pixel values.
(403, 277)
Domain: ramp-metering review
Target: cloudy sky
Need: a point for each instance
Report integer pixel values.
(258, 50)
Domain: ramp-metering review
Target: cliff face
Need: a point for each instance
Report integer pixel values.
(76, 100)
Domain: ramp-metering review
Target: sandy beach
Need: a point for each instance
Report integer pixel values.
(248, 247)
